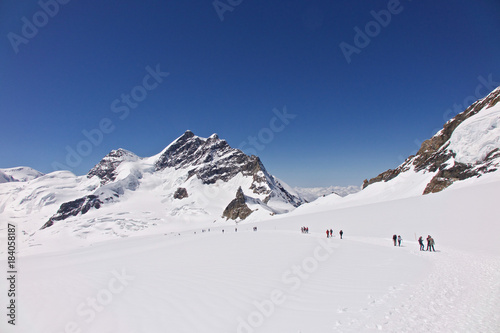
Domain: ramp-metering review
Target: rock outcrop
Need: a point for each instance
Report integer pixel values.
(106, 169)
(73, 208)
(180, 193)
(237, 209)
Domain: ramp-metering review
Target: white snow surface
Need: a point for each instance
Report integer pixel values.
(313, 193)
(477, 136)
(5, 178)
(276, 279)
(139, 201)
(19, 174)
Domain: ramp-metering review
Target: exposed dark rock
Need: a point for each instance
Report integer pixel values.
(210, 160)
(437, 184)
(237, 208)
(180, 193)
(105, 170)
(73, 208)
(213, 159)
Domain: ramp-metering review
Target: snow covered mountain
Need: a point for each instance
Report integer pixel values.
(20, 174)
(468, 146)
(313, 193)
(193, 180)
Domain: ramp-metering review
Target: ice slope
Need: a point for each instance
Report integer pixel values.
(280, 280)
(477, 136)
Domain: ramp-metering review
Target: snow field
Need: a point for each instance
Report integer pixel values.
(277, 279)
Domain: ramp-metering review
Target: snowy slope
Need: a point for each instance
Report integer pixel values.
(477, 136)
(5, 178)
(19, 174)
(280, 280)
(468, 146)
(313, 193)
(125, 194)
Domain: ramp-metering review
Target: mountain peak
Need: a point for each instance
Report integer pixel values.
(467, 146)
(188, 134)
(106, 168)
(214, 137)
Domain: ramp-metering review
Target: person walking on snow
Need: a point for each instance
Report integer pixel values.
(399, 240)
(395, 239)
(421, 242)
(341, 233)
(327, 233)
(428, 242)
(331, 233)
(431, 244)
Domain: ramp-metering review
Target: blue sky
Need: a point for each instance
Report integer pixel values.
(271, 77)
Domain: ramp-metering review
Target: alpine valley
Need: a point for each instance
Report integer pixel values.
(201, 238)
(194, 181)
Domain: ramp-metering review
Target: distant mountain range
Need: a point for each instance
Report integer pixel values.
(201, 181)
(312, 193)
(192, 179)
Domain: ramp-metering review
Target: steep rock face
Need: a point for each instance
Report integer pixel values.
(237, 208)
(176, 171)
(209, 159)
(73, 208)
(106, 169)
(213, 159)
(467, 146)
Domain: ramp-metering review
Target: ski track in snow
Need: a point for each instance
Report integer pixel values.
(189, 281)
(460, 294)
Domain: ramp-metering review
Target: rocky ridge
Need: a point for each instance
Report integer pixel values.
(209, 160)
(438, 155)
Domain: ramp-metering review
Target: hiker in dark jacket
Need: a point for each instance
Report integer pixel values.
(431, 244)
(341, 233)
(395, 239)
(421, 242)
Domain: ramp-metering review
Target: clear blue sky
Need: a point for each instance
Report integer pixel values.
(352, 120)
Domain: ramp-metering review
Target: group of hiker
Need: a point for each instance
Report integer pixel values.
(329, 233)
(397, 240)
(430, 242)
